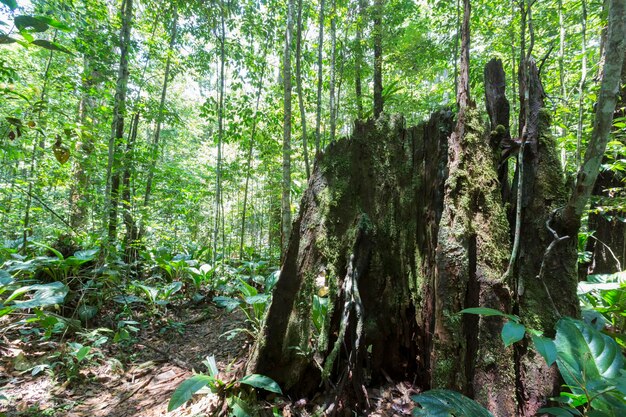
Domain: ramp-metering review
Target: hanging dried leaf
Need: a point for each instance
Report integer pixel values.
(12, 135)
(61, 152)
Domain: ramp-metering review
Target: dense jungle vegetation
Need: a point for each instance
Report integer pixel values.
(330, 207)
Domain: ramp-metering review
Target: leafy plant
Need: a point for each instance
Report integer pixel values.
(445, 403)
(229, 391)
(589, 361)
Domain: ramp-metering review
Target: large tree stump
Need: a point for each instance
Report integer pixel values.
(367, 231)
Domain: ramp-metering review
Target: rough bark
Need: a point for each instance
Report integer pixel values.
(543, 192)
(358, 235)
(498, 109)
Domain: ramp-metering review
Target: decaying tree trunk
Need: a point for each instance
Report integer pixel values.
(359, 235)
(400, 229)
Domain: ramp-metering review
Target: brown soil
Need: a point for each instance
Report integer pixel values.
(139, 380)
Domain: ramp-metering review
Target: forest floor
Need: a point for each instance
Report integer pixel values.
(138, 378)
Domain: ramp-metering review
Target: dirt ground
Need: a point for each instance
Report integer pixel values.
(138, 380)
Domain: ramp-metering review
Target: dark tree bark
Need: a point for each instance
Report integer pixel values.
(403, 228)
(498, 109)
(358, 236)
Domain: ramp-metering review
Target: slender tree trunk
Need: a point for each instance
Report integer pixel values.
(84, 149)
(286, 183)
(378, 57)
(305, 145)
(358, 57)
(220, 134)
(132, 231)
(37, 144)
(119, 112)
(583, 81)
(249, 159)
(154, 154)
(320, 73)
(333, 69)
(607, 99)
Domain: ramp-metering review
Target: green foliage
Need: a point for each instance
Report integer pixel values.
(590, 362)
(446, 403)
(238, 401)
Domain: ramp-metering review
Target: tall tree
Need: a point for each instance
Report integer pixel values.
(377, 33)
(220, 134)
(154, 153)
(320, 74)
(286, 183)
(358, 57)
(305, 146)
(119, 112)
(333, 69)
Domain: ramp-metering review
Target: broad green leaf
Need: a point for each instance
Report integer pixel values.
(53, 46)
(240, 408)
(4, 39)
(261, 381)
(257, 299)
(11, 4)
(226, 302)
(82, 353)
(559, 412)
(585, 354)
(45, 295)
(545, 347)
(512, 332)
(485, 311)
(247, 289)
(30, 23)
(445, 403)
(186, 389)
(5, 278)
(86, 255)
(54, 23)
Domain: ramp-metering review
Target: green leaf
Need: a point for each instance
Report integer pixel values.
(444, 403)
(585, 355)
(30, 23)
(45, 295)
(226, 302)
(512, 332)
(211, 365)
(11, 4)
(545, 347)
(261, 381)
(53, 46)
(240, 408)
(186, 389)
(86, 255)
(54, 23)
(5, 278)
(4, 39)
(485, 311)
(82, 353)
(559, 412)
